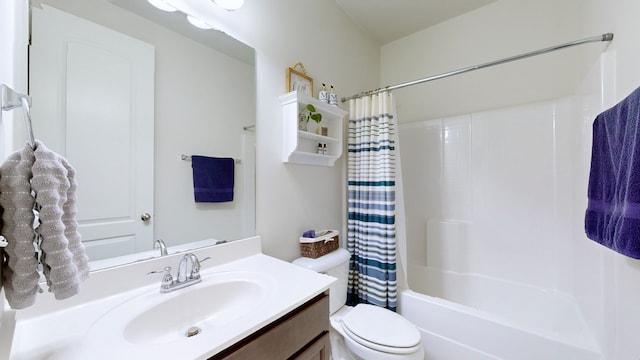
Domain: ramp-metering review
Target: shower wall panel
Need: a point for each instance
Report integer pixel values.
(421, 156)
(489, 193)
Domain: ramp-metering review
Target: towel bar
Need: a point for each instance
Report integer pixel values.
(188, 158)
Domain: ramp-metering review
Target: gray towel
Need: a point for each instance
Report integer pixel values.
(51, 179)
(65, 262)
(20, 275)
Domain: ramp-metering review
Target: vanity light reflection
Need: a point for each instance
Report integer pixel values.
(198, 23)
(229, 4)
(162, 5)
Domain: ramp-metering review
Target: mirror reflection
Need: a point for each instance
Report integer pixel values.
(127, 93)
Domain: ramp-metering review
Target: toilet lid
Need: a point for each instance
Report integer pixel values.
(380, 327)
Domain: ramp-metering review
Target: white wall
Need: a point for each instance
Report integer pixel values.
(13, 67)
(292, 198)
(606, 285)
(13, 70)
(496, 31)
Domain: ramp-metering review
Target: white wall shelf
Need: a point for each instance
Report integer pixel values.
(300, 147)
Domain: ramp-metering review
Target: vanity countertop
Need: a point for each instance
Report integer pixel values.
(52, 331)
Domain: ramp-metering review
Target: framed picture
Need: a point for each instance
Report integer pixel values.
(299, 80)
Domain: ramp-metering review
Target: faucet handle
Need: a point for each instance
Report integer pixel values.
(167, 279)
(195, 267)
(195, 270)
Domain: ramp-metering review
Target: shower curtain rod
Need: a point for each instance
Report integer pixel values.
(603, 37)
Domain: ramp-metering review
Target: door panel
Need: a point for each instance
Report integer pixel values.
(95, 97)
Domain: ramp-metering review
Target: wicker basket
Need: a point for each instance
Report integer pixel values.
(325, 242)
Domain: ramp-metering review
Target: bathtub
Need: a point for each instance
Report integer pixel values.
(475, 317)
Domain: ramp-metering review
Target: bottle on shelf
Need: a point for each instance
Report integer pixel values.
(323, 95)
(333, 97)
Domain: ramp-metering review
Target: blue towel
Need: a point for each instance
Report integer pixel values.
(613, 212)
(212, 178)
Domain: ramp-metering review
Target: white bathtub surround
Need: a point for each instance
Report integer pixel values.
(542, 311)
(490, 233)
(503, 312)
(453, 331)
(61, 326)
(493, 190)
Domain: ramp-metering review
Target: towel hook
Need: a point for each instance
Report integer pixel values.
(27, 121)
(11, 100)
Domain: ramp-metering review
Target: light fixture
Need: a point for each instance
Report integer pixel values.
(198, 23)
(162, 5)
(229, 4)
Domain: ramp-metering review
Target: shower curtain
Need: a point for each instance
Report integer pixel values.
(371, 238)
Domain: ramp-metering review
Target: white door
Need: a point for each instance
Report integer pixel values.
(93, 99)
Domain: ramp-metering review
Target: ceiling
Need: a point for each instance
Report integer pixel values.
(384, 20)
(389, 20)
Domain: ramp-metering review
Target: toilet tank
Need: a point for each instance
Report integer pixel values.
(336, 264)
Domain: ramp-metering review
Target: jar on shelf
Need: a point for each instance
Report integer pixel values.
(302, 122)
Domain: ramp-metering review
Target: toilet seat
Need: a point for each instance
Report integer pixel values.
(381, 330)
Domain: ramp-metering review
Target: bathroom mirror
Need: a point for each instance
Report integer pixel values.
(187, 91)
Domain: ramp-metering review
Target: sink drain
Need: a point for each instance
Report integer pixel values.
(193, 331)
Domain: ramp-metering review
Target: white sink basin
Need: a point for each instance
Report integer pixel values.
(207, 307)
(210, 304)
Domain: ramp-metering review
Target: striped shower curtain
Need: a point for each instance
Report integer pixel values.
(371, 237)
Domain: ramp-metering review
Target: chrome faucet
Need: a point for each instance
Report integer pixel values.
(189, 268)
(159, 244)
(188, 274)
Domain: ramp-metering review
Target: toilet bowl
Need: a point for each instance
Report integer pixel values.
(364, 331)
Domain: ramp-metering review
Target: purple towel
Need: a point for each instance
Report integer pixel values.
(613, 212)
(212, 178)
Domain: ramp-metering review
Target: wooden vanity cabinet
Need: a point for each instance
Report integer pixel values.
(302, 334)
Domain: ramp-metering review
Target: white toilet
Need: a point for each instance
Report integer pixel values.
(369, 332)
